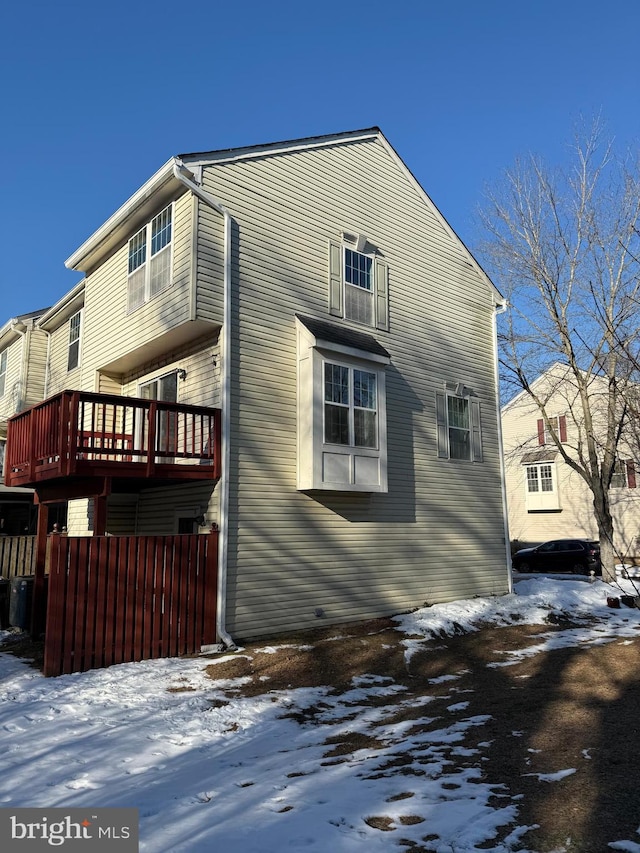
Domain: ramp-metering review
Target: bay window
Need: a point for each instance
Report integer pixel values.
(341, 409)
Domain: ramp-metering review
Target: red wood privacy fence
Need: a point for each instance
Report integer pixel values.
(115, 599)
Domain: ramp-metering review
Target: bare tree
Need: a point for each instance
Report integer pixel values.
(564, 246)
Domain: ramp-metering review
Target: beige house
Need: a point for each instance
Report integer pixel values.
(547, 499)
(312, 291)
(23, 349)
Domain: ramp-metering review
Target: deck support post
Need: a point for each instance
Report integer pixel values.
(100, 515)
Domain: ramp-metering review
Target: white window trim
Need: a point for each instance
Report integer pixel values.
(338, 285)
(3, 371)
(147, 228)
(79, 340)
(461, 392)
(351, 406)
(324, 466)
(541, 501)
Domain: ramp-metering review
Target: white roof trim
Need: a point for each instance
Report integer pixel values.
(268, 150)
(148, 189)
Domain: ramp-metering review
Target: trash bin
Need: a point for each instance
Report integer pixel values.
(20, 599)
(4, 602)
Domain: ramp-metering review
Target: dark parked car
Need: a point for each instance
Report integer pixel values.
(560, 555)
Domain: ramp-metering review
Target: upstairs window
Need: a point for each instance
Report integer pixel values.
(149, 267)
(73, 357)
(559, 425)
(624, 475)
(458, 425)
(3, 371)
(358, 277)
(358, 287)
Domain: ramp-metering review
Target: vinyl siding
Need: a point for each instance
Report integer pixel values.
(575, 517)
(210, 264)
(438, 534)
(36, 367)
(110, 331)
(26, 365)
(13, 381)
(59, 378)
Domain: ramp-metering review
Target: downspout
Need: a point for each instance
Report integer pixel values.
(500, 309)
(186, 177)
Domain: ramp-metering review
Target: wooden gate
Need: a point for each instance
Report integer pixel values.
(115, 599)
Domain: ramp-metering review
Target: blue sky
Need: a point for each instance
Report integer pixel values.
(96, 97)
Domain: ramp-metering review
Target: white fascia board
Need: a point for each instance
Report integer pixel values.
(234, 154)
(351, 352)
(7, 333)
(69, 304)
(77, 261)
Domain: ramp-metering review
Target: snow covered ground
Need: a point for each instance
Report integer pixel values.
(244, 777)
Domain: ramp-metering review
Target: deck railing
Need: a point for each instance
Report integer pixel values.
(80, 433)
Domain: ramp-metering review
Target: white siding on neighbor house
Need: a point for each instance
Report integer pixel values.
(573, 515)
(438, 534)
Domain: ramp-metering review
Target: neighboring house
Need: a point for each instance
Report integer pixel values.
(23, 352)
(546, 498)
(312, 291)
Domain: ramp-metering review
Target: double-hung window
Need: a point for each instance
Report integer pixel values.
(350, 406)
(75, 326)
(559, 425)
(624, 474)
(149, 264)
(458, 425)
(358, 288)
(3, 371)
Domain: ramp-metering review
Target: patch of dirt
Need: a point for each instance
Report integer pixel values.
(567, 709)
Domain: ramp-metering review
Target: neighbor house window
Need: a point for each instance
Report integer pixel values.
(539, 478)
(358, 282)
(73, 357)
(559, 425)
(350, 401)
(541, 487)
(3, 370)
(458, 425)
(150, 259)
(624, 475)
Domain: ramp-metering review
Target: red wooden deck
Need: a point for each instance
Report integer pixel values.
(79, 435)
